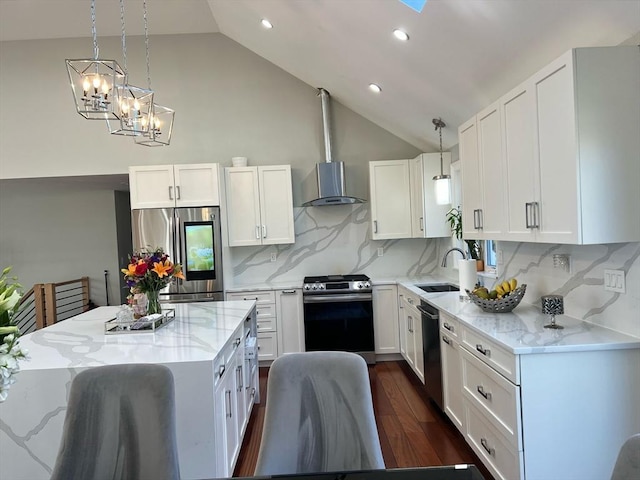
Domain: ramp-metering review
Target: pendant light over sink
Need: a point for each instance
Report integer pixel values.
(442, 181)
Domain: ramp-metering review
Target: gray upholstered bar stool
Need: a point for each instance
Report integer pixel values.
(120, 424)
(319, 416)
(627, 465)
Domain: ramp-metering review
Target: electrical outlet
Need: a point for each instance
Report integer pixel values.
(380, 251)
(614, 281)
(273, 257)
(562, 261)
(499, 257)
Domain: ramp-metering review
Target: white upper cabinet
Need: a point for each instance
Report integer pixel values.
(166, 186)
(571, 148)
(259, 205)
(480, 141)
(428, 218)
(390, 199)
(403, 201)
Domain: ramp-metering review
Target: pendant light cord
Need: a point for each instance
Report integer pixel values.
(124, 44)
(146, 41)
(94, 33)
(441, 164)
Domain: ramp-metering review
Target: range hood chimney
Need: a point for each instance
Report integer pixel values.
(331, 189)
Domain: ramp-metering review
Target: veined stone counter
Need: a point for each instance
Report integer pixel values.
(32, 417)
(522, 330)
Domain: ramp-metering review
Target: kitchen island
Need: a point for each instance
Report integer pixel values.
(536, 403)
(203, 338)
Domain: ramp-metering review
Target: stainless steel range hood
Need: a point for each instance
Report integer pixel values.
(331, 186)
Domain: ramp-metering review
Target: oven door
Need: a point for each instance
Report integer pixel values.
(339, 322)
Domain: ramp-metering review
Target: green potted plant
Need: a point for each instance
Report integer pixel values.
(474, 248)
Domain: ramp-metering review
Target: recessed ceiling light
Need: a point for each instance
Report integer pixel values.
(375, 88)
(401, 35)
(266, 23)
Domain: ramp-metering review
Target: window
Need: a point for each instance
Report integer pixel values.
(490, 257)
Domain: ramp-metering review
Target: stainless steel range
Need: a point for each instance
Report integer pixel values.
(338, 314)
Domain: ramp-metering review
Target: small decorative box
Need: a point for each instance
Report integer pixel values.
(146, 324)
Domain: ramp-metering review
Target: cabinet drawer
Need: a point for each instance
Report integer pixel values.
(266, 311)
(266, 324)
(502, 459)
(224, 359)
(262, 296)
(449, 325)
(267, 346)
(495, 396)
(490, 353)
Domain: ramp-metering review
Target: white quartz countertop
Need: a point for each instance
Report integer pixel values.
(522, 330)
(198, 332)
(264, 286)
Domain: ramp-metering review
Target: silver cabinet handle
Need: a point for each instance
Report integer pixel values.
(477, 219)
(536, 210)
(410, 323)
(251, 298)
(227, 406)
(446, 340)
(484, 351)
(491, 451)
(486, 395)
(177, 192)
(264, 231)
(375, 226)
(170, 192)
(527, 215)
(239, 375)
(400, 302)
(237, 342)
(221, 370)
(422, 224)
(451, 328)
(257, 232)
(288, 292)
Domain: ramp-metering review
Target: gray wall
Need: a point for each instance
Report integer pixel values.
(228, 101)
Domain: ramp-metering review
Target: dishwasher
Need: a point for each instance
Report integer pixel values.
(431, 351)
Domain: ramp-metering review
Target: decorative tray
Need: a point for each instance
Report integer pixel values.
(146, 324)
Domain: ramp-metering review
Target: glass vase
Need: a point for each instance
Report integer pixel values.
(153, 305)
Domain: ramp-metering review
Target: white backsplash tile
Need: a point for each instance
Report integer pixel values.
(336, 240)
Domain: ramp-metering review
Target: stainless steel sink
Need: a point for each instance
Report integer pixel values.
(439, 287)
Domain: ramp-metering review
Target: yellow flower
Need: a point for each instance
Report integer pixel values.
(130, 270)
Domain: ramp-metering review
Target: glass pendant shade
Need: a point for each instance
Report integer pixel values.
(94, 83)
(133, 109)
(443, 189)
(161, 127)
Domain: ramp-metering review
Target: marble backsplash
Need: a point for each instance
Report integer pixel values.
(336, 240)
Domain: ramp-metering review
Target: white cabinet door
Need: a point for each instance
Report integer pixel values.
(491, 172)
(276, 204)
(403, 324)
(151, 186)
(290, 321)
(428, 218)
(196, 185)
(225, 421)
(267, 346)
(556, 152)
(471, 178)
(390, 191)
(243, 206)
(418, 345)
(521, 171)
(412, 317)
(451, 373)
(385, 319)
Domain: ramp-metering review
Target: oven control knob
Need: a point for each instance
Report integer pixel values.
(321, 287)
(359, 285)
(367, 285)
(314, 287)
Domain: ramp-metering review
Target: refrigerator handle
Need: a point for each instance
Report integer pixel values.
(178, 245)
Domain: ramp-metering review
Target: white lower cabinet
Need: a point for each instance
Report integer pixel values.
(451, 370)
(411, 331)
(547, 415)
(280, 321)
(385, 319)
(290, 323)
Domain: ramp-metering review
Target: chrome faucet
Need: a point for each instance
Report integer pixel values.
(444, 259)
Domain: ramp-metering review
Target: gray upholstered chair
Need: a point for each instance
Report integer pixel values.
(319, 416)
(120, 424)
(627, 465)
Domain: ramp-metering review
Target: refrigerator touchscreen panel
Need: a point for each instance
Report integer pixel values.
(199, 258)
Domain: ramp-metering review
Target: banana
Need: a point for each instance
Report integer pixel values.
(505, 286)
(500, 291)
(513, 283)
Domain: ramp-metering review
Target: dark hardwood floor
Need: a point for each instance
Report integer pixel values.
(413, 433)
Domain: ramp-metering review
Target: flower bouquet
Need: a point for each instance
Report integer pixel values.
(149, 272)
(10, 351)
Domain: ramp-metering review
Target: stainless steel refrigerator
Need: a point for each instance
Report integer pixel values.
(192, 238)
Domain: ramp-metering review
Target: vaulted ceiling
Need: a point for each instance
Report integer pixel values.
(461, 55)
